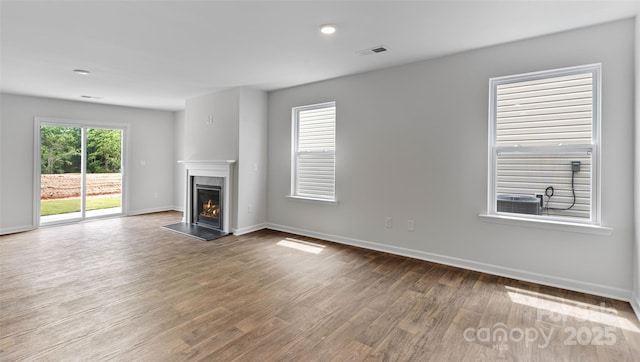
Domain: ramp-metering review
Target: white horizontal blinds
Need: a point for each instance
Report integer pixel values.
(547, 111)
(315, 151)
(317, 129)
(316, 177)
(524, 173)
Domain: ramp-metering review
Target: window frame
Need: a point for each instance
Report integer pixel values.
(295, 113)
(594, 147)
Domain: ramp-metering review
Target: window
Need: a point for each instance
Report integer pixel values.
(313, 152)
(544, 145)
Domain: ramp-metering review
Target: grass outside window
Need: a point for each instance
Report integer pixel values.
(65, 206)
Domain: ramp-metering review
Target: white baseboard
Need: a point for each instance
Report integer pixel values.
(570, 284)
(249, 229)
(17, 229)
(149, 211)
(635, 303)
(178, 208)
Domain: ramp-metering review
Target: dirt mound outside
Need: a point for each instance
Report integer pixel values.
(62, 186)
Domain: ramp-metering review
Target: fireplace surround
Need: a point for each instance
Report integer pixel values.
(210, 177)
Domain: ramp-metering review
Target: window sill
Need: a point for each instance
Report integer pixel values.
(547, 224)
(310, 199)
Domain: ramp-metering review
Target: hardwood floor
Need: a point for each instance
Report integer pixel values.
(127, 289)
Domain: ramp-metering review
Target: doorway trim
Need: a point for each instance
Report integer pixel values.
(58, 122)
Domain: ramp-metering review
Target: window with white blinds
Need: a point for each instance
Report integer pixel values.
(544, 144)
(314, 146)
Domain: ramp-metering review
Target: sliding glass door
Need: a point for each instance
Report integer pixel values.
(80, 172)
(103, 171)
(60, 173)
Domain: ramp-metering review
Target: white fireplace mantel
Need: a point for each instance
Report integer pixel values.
(209, 168)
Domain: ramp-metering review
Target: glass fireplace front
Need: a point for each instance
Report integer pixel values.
(207, 206)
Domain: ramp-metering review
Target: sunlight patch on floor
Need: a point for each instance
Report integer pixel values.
(301, 245)
(556, 309)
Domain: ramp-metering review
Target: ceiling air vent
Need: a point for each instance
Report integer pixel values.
(373, 50)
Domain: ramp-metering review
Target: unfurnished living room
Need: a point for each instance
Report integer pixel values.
(319, 180)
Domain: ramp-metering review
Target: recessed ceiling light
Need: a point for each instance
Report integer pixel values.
(81, 72)
(328, 29)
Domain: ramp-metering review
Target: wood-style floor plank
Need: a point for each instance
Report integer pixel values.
(127, 289)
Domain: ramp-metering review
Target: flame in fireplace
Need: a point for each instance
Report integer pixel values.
(210, 210)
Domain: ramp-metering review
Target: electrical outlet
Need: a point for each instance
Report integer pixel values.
(575, 166)
(388, 222)
(411, 225)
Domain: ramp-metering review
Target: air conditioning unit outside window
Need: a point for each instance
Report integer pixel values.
(519, 204)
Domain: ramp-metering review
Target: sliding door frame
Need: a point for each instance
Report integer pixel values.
(83, 125)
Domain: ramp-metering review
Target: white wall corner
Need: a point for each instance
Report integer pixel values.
(150, 211)
(249, 229)
(17, 229)
(635, 304)
(635, 299)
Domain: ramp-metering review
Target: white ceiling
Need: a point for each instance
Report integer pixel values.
(156, 54)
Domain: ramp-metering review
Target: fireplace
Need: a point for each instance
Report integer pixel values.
(207, 181)
(207, 206)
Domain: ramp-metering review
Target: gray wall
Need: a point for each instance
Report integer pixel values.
(252, 165)
(215, 140)
(178, 154)
(237, 131)
(636, 288)
(412, 144)
(150, 153)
